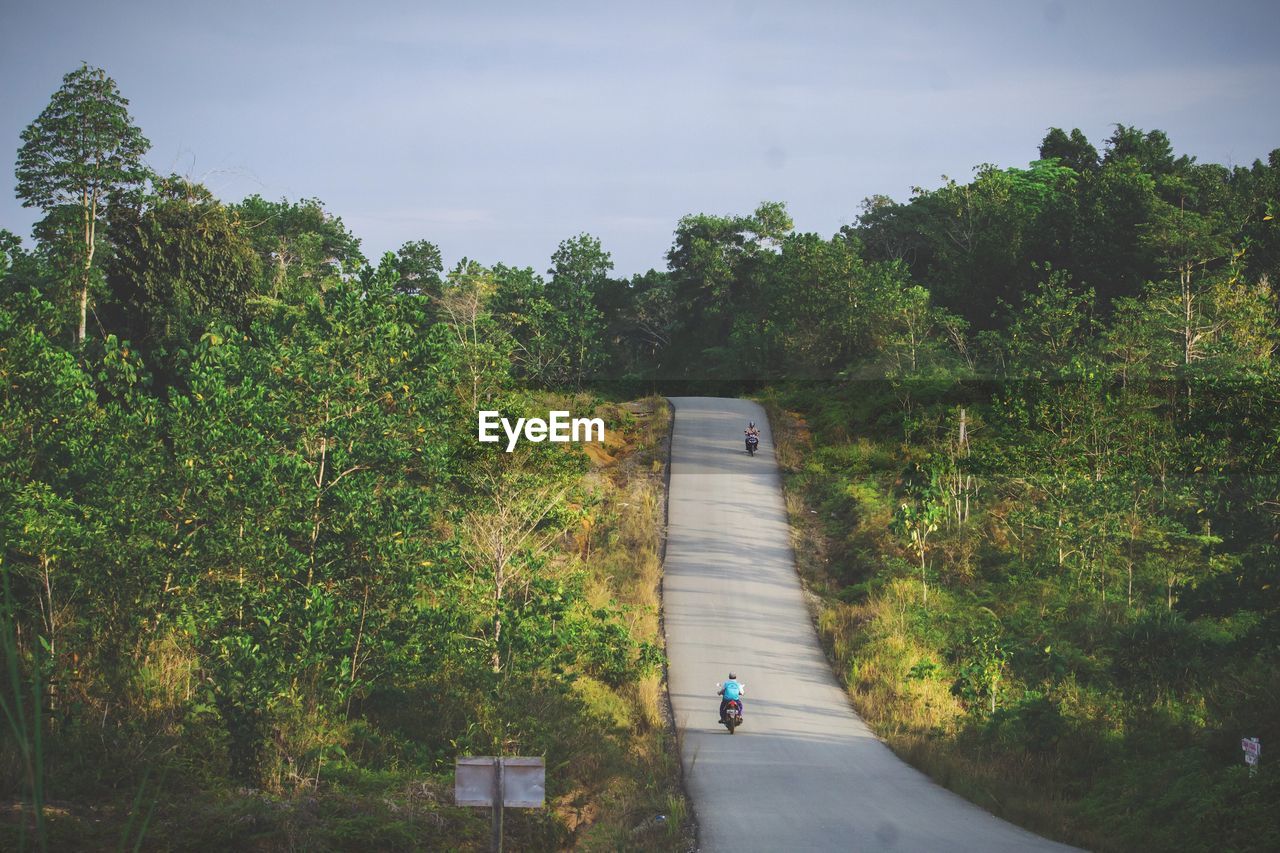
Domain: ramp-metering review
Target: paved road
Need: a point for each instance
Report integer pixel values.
(803, 772)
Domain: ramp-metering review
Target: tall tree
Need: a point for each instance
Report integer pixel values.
(82, 148)
(579, 270)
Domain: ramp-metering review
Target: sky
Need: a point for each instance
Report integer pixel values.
(497, 130)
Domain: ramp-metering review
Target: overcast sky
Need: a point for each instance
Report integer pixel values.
(499, 129)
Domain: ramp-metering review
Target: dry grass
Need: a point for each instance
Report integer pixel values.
(165, 679)
(623, 560)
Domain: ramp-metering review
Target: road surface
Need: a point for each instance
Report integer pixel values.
(803, 772)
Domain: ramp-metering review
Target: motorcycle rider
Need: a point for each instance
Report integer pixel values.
(730, 691)
(752, 429)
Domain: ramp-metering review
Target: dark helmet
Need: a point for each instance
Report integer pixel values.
(732, 676)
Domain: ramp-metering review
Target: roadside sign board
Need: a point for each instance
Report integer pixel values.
(1252, 750)
(524, 782)
(499, 783)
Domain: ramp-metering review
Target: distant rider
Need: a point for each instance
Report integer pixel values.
(732, 691)
(752, 429)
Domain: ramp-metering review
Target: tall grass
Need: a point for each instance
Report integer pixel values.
(645, 809)
(149, 797)
(899, 684)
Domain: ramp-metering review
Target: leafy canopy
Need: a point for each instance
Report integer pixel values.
(84, 144)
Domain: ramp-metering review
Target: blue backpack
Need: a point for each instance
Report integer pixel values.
(732, 690)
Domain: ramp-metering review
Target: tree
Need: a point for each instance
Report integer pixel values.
(1152, 150)
(80, 150)
(971, 244)
(502, 543)
(302, 245)
(472, 352)
(579, 270)
(653, 314)
(419, 265)
(183, 261)
(520, 308)
(306, 456)
(713, 263)
(1047, 332)
(816, 292)
(914, 522)
(1215, 314)
(1074, 150)
(907, 332)
(1108, 253)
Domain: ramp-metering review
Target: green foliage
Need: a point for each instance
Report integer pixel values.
(1073, 151)
(579, 270)
(1081, 617)
(982, 661)
(81, 150)
(300, 244)
(244, 567)
(183, 262)
(1152, 150)
(418, 266)
(82, 143)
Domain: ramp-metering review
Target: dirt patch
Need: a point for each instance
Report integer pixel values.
(598, 455)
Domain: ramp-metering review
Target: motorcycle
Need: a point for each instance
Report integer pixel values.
(732, 715)
(753, 443)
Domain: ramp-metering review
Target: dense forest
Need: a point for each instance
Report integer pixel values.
(251, 549)
(261, 582)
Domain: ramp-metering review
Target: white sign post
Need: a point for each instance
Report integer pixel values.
(497, 783)
(1252, 752)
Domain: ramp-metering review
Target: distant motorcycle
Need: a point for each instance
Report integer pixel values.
(753, 444)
